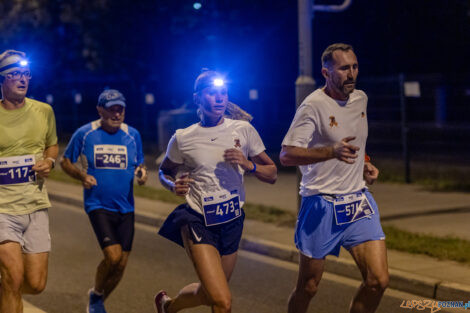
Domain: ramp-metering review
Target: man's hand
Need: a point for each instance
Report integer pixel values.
(43, 168)
(344, 151)
(89, 181)
(141, 174)
(235, 156)
(182, 185)
(371, 173)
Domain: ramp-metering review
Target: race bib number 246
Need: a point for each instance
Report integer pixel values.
(110, 156)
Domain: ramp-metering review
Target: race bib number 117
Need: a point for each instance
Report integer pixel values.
(17, 170)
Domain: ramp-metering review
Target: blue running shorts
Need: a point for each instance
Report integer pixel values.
(317, 235)
(224, 237)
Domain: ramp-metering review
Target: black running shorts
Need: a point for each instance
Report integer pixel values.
(113, 228)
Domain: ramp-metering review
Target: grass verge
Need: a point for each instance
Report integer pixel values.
(157, 194)
(432, 175)
(58, 175)
(443, 248)
(269, 214)
(139, 191)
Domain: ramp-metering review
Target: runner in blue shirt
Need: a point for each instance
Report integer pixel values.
(111, 155)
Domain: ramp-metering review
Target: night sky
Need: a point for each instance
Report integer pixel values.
(160, 46)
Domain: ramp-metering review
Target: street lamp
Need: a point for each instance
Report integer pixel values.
(305, 83)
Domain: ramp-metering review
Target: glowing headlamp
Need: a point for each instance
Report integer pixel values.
(209, 79)
(218, 82)
(20, 63)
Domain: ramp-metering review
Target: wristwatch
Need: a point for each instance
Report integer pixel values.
(52, 160)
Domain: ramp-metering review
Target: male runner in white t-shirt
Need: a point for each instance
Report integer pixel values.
(327, 140)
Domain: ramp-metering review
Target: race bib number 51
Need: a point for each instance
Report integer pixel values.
(17, 170)
(110, 157)
(352, 207)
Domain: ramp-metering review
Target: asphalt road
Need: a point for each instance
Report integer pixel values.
(259, 284)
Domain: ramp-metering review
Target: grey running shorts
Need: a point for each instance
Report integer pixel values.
(31, 231)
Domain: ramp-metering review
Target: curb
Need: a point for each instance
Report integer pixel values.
(30, 308)
(399, 280)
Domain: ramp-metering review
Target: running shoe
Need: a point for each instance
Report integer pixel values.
(159, 302)
(95, 304)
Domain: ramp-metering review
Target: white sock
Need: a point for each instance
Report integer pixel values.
(96, 292)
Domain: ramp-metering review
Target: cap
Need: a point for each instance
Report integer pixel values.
(12, 60)
(208, 79)
(111, 97)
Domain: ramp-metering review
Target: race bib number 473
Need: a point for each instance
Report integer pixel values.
(17, 170)
(110, 157)
(221, 208)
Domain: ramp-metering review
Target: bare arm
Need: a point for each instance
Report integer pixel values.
(51, 152)
(167, 176)
(88, 181)
(292, 156)
(342, 150)
(266, 170)
(44, 167)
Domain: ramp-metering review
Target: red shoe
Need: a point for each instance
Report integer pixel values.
(159, 302)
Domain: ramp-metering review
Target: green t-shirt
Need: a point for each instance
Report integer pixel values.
(26, 131)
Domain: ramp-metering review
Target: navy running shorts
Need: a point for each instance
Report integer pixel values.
(113, 228)
(224, 237)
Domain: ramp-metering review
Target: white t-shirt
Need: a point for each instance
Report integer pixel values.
(201, 150)
(322, 121)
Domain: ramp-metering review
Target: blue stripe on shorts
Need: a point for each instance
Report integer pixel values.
(317, 235)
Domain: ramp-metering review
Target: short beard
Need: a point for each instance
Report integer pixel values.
(348, 91)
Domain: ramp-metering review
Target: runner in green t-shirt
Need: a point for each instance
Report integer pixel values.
(28, 149)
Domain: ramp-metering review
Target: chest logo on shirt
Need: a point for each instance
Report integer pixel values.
(333, 121)
(237, 143)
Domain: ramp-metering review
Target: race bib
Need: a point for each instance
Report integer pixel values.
(110, 157)
(221, 208)
(351, 207)
(17, 170)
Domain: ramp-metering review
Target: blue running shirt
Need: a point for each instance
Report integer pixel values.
(112, 160)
